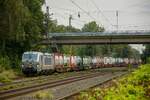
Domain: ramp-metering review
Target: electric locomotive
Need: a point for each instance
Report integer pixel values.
(37, 62)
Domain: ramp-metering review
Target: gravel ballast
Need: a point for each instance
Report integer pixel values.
(63, 91)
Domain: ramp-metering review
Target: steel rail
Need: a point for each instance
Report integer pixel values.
(29, 80)
(25, 90)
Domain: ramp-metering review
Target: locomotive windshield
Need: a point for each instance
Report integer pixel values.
(29, 57)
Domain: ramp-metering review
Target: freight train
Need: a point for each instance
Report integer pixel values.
(45, 63)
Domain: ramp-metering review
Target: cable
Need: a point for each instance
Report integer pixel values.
(101, 12)
(82, 10)
(143, 27)
(56, 13)
(74, 19)
(66, 18)
(65, 9)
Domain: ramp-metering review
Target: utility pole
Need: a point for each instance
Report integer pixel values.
(54, 46)
(117, 15)
(47, 20)
(70, 18)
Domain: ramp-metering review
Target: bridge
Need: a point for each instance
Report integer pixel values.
(81, 38)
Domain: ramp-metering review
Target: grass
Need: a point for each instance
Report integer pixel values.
(8, 73)
(135, 86)
(55, 77)
(43, 95)
(7, 76)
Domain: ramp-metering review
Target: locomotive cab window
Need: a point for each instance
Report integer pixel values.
(29, 57)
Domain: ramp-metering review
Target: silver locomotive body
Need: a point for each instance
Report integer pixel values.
(37, 62)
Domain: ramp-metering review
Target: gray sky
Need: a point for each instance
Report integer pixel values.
(133, 14)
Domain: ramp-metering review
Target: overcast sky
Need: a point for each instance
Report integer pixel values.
(133, 14)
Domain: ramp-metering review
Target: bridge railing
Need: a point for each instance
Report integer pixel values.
(114, 33)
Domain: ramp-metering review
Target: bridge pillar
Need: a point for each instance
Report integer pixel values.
(54, 47)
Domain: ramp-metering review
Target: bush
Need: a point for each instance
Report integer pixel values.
(4, 63)
(7, 76)
(135, 86)
(148, 60)
(7, 72)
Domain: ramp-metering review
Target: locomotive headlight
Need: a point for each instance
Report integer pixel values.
(38, 67)
(36, 63)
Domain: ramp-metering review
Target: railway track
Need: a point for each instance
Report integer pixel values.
(40, 79)
(102, 84)
(49, 84)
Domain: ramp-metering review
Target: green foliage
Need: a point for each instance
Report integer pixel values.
(7, 76)
(22, 21)
(135, 86)
(125, 92)
(6, 72)
(141, 76)
(21, 26)
(4, 63)
(92, 27)
(123, 51)
(146, 54)
(13, 15)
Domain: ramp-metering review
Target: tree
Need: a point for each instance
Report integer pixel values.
(146, 54)
(13, 16)
(21, 26)
(92, 27)
(124, 51)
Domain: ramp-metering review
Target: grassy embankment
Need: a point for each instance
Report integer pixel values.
(135, 86)
(7, 72)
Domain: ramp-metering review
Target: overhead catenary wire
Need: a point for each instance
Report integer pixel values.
(77, 21)
(65, 9)
(74, 3)
(133, 25)
(85, 12)
(101, 12)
